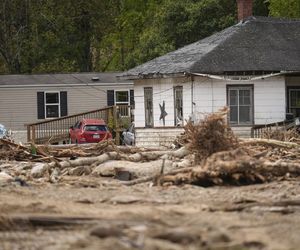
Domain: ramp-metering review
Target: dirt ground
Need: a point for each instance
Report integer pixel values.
(101, 213)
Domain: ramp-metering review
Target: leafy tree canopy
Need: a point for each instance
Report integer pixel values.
(39, 36)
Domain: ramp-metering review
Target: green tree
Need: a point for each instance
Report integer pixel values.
(14, 26)
(285, 8)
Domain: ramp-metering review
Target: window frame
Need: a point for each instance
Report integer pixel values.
(241, 87)
(145, 108)
(289, 90)
(175, 89)
(122, 103)
(52, 104)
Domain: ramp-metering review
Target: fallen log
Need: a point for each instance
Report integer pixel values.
(155, 178)
(269, 142)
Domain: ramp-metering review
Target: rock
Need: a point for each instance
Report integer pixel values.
(5, 178)
(6, 165)
(81, 170)
(39, 170)
(125, 199)
(178, 235)
(54, 177)
(104, 231)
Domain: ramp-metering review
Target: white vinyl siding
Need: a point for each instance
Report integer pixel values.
(18, 106)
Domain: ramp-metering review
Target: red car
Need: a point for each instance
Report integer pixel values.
(88, 131)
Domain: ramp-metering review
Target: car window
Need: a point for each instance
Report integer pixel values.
(95, 128)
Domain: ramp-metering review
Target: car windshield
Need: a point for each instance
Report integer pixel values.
(95, 128)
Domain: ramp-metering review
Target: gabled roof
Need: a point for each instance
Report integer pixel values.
(66, 78)
(255, 44)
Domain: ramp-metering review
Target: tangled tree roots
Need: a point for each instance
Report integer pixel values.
(234, 167)
(210, 135)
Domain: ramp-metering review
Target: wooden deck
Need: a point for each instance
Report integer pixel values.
(57, 130)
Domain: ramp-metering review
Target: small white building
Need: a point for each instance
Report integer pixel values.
(253, 67)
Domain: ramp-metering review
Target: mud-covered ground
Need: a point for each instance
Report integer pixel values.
(99, 213)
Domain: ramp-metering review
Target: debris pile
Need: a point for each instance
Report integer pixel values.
(210, 135)
(11, 151)
(240, 167)
(281, 134)
(212, 155)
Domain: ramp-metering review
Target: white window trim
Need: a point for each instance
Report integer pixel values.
(239, 87)
(51, 104)
(122, 103)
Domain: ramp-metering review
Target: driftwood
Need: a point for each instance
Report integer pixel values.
(156, 177)
(269, 142)
(234, 168)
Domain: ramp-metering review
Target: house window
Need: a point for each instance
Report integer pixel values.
(240, 102)
(178, 104)
(148, 99)
(294, 102)
(122, 100)
(52, 104)
(122, 97)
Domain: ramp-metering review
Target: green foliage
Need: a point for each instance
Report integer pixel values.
(39, 36)
(285, 8)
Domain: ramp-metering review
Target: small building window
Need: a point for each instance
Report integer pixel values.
(122, 100)
(148, 99)
(240, 102)
(178, 105)
(294, 102)
(52, 105)
(122, 97)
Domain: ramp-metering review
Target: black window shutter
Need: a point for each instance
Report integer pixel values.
(110, 97)
(63, 103)
(40, 105)
(132, 97)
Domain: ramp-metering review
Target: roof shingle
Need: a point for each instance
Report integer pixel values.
(256, 44)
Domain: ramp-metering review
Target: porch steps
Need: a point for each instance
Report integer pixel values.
(164, 137)
(156, 137)
(242, 132)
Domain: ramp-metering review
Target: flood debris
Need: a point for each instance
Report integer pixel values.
(209, 135)
(210, 155)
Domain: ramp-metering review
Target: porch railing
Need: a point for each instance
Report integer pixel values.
(57, 130)
(258, 131)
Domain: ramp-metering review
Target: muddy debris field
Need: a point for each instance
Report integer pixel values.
(239, 194)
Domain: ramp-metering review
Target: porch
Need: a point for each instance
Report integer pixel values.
(57, 130)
